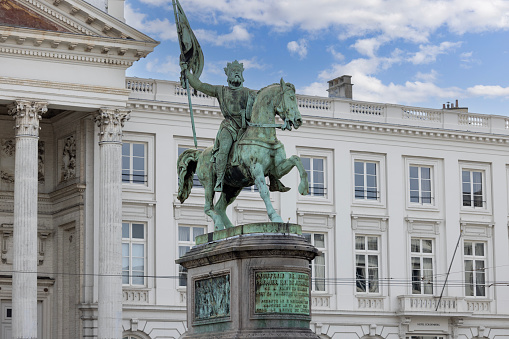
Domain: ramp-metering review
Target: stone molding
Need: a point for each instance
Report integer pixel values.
(27, 115)
(110, 122)
(63, 85)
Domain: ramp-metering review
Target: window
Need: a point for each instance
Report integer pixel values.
(366, 182)
(426, 337)
(367, 263)
(422, 265)
(317, 266)
(315, 167)
(187, 236)
(472, 185)
(475, 266)
(196, 181)
(134, 163)
(133, 253)
(420, 184)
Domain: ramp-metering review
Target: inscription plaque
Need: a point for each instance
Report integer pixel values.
(212, 298)
(282, 292)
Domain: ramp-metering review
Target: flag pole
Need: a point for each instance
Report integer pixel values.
(183, 74)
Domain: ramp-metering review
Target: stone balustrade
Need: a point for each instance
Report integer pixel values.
(135, 296)
(370, 303)
(313, 107)
(320, 302)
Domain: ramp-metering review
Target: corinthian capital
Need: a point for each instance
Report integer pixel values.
(27, 115)
(110, 122)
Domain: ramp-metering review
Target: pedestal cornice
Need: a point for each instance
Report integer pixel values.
(27, 114)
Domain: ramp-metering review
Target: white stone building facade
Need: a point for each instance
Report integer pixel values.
(400, 196)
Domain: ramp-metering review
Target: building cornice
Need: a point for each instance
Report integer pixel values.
(147, 106)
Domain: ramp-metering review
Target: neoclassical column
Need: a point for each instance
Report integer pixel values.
(27, 115)
(110, 122)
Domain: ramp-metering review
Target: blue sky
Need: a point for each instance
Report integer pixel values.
(413, 52)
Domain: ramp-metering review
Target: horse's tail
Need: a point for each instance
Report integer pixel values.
(186, 166)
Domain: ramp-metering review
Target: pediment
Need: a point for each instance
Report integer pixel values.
(65, 16)
(16, 14)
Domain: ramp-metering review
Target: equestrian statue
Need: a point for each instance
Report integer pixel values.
(246, 149)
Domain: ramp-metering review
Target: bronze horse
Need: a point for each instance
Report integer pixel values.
(256, 155)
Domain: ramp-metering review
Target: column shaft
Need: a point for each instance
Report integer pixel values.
(110, 224)
(24, 278)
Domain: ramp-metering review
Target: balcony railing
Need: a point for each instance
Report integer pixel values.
(329, 108)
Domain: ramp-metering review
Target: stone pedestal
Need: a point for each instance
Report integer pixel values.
(250, 281)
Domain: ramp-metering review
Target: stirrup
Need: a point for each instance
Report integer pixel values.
(219, 186)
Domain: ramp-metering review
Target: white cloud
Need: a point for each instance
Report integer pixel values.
(315, 88)
(253, 63)
(238, 34)
(162, 29)
(299, 48)
(410, 20)
(429, 53)
(169, 66)
(489, 91)
(427, 77)
(369, 46)
(337, 55)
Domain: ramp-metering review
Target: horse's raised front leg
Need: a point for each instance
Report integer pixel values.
(259, 176)
(286, 165)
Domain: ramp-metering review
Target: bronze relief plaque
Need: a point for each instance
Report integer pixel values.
(212, 298)
(282, 293)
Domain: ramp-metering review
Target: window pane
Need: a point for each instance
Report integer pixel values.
(138, 264)
(125, 230)
(465, 176)
(359, 243)
(307, 236)
(183, 250)
(184, 233)
(306, 163)
(477, 177)
(138, 231)
(427, 246)
(426, 185)
(467, 248)
(425, 173)
(416, 245)
(138, 150)
(414, 184)
(320, 260)
(371, 181)
(479, 249)
(359, 167)
(414, 172)
(197, 231)
(126, 163)
(138, 164)
(138, 250)
(466, 187)
(126, 149)
(373, 243)
(125, 250)
(359, 180)
(320, 240)
(318, 164)
(371, 168)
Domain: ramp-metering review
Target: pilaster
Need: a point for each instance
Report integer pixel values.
(27, 115)
(110, 123)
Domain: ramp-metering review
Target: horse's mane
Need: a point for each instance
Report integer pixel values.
(278, 84)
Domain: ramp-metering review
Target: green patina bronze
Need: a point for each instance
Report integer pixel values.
(246, 149)
(281, 293)
(260, 228)
(212, 298)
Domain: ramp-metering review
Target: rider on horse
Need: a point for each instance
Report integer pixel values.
(236, 103)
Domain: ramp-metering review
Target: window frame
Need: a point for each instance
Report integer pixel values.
(190, 244)
(435, 166)
(486, 272)
(148, 141)
(421, 255)
(366, 253)
(485, 170)
(312, 263)
(328, 156)
(130, 242)
(379, 160)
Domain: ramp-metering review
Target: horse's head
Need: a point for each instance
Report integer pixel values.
(288, 108)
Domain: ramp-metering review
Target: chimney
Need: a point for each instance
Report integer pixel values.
(341, 87)
(455, 106)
